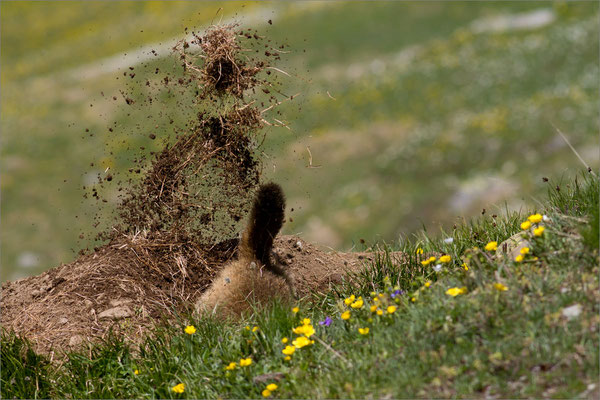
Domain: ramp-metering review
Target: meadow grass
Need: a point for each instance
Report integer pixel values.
(497, 327)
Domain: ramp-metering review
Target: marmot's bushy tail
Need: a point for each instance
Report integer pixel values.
(264, 224)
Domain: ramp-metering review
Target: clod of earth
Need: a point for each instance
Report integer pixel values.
(116, 313)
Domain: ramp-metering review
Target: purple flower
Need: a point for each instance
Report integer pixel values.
(326, 322)
(397, 293)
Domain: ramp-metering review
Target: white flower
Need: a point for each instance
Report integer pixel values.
(572, 312)
(545, 218)
(449, 240)
(437, 267)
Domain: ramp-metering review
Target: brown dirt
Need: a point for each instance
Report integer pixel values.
(119, 288)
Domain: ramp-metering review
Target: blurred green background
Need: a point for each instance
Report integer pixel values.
(415, 113)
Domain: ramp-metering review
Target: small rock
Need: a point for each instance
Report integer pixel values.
(88, 303)
(572, 311)
(298, 245)
(513, 245)
(75, 340)
(36, 293)
(63, 321)
(120, 302)
(116, 313)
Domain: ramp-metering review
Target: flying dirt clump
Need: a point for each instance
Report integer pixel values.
(223, 70)
(197, 189)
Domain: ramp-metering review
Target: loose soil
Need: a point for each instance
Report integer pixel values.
(117, 288)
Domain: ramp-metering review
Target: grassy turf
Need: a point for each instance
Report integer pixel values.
(486, 341)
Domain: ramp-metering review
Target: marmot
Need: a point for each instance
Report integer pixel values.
(253, 278)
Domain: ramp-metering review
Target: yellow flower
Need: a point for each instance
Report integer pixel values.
(349, 300)
(178, 388)
(373, 294)
(525, 225)
(379, 312)
(306, 330)
(500, 287)
(302, 341)
(373, 308)
(465, 266)
(524, 250)
(295, 310)
(428, 283)
(289, 350)
(455, 291)
(363, 331)
(231, 366)
(535, 218)
(306, 321)
(419, 251)
(519, 258)
(266, 393)
(391, 309)
(190, 329)
(299, 330)
(137, 372)
(428, 261)
(287, 358)
(345, 315)
(284, 340)
(244, 362)
(272, 387)
(247, 327)
(358, 303)
(491, 246)
(539, 231)
(255, 329)
(309, 330)
(445, 259)
(413, 299)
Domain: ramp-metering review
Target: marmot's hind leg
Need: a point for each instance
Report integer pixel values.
(281, 271)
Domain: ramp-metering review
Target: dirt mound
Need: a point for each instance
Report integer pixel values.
(116, 288)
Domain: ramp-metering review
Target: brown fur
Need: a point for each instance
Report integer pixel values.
(254, 278)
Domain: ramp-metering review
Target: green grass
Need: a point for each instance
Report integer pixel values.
(485, 342)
